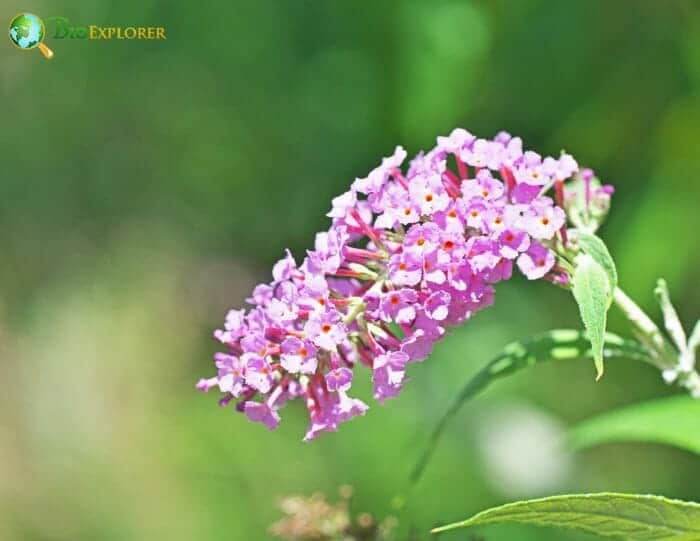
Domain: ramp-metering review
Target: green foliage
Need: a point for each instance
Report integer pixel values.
(672, 421)
(628, 516)
(595, 247)
(591, 289)
(555, 345)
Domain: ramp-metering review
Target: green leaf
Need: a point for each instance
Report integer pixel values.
(555, 345)
(595, 247)
(671, 421)
(627, 516)
(591, 289)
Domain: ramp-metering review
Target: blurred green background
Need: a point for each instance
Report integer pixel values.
(146, 186)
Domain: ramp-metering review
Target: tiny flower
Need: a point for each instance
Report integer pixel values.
(398, 305)
(536, 262)
(325, 330)
(456, 141)
(298, 356)
(342, 204)
(339, 379)
(284, 267)
(437, 305)
(376, 180)
(405, 269)
(258, 373)
(429, 195)
(512, 242)
(422, 239)
(231, 373)
(262, 413)
(543, 220)
(389, 374)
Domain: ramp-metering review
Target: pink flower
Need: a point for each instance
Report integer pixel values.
(262, 413)
(406, 256)
(536, 262)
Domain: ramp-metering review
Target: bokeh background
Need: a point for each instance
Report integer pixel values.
(146, 186)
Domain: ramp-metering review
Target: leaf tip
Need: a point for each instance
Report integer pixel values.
(599, 369)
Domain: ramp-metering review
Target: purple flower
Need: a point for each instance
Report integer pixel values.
(258, 373)
(429, 195)
(284, 268)
(406, 256)
(298, 356)
(398, 305)
(376, 180)
(325, 330)
(437, 305)
(339, 379)
(389, 373)
(231, 376)
(422, 239)
(542, 220)
(512, 242)
(405, 269)
(262, 413)
(536, 262)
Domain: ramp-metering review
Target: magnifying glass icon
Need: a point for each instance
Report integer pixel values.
(27, 32)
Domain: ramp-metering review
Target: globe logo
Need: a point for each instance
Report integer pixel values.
(27, 32)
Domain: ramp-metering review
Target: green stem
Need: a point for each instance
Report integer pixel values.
(665, 356)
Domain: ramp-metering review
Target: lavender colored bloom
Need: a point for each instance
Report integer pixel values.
(298, 356)
(339, 379)
(389, 374)
(262, 413)
(542, 220)
(437, 305)
(407, 255)
(536, 262)
(258, 373)
(512, 242)
(398, 305)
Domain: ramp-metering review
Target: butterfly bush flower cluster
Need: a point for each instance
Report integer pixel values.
(410, 252)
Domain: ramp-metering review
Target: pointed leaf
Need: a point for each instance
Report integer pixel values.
(596, 248)
(672, 421)
(627, 516)
(591, 289)
(555, 345)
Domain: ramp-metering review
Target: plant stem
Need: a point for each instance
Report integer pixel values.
(666, 355)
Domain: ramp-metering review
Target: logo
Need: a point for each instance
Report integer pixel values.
(27, 32)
